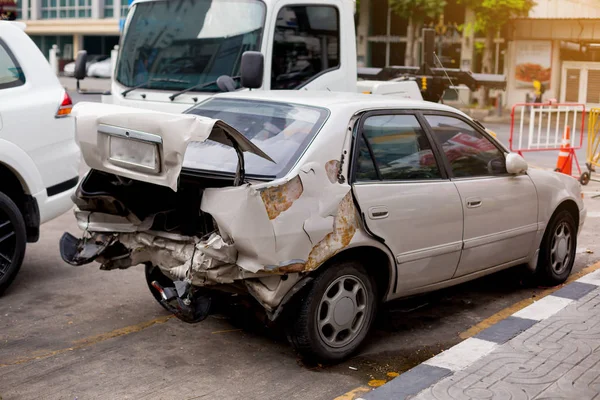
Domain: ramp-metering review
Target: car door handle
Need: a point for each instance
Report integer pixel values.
(474, 202)
(378, 212)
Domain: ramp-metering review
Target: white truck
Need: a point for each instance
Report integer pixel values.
(172, 53)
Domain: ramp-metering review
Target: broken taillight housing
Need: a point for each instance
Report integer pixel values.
(65, 107)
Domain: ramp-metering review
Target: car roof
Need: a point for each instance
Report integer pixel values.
(337, 100)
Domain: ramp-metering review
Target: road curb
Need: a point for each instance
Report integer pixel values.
(464, 354)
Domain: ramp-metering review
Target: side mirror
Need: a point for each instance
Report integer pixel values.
(80, 65)
(252, 69)
(515, 164)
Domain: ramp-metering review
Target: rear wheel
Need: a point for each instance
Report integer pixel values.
(335, 313)
(13, 240)
(557, 251)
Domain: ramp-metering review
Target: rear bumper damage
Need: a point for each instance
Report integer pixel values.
(203, 232)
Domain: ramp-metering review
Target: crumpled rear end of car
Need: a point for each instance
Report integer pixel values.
(136, 207)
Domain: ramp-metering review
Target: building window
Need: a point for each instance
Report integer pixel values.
(124, 7)
(66, 9)
(108, 9)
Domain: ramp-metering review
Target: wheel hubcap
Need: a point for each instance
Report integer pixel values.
(342, 311)
(561, 248)
(7, 244)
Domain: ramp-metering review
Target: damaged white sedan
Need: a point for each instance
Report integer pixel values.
(320, 205)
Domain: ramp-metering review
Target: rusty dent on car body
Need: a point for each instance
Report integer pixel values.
(345, 225)
(278, 199)
(332, 168)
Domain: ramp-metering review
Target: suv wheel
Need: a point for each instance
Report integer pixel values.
(13, 240)
(335, 313)
(557, 252)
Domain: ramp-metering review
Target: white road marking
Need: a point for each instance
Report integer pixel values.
(462, 355)
(593, 214)
(543, 308)
(592, 278)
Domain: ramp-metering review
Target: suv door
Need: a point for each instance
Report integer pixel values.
(406, 198)
(500, 209)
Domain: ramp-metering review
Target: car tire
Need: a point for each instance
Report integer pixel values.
(153, 273)
(327, 332)
(13, 240)
(557, 251)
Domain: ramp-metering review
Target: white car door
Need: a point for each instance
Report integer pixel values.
(406, 198)
(500, 210)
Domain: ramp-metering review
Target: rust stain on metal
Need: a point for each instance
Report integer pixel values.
(278, 199)
(345, 225)
(332, 167)
(297, 267)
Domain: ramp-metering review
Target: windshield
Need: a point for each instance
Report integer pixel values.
(281, 130)
(176, 44)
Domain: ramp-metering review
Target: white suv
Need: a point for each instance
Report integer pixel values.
(38, 154)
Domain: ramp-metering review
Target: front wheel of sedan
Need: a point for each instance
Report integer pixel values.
(557, 251)
(335, 313)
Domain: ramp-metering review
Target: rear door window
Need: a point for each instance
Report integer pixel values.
(11, 74)
(395, 148)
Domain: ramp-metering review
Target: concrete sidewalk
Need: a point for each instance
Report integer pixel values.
(548, 350)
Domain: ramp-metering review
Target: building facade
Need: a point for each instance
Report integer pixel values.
(73, 25)
(559, 45)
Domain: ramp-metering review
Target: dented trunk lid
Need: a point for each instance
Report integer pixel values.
(147, 145)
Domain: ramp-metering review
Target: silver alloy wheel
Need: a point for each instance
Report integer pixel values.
(342, 311)
(560, 252)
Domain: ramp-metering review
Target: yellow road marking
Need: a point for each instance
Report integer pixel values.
(227, 331)
(354, 393)
(377, 382)
(79, 344)
(508, 311)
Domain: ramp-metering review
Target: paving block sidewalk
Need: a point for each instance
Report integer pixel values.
(548, 350)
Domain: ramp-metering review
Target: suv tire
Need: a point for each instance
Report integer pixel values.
(13, 240)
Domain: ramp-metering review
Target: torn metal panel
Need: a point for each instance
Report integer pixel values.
(269, 291)
(278, 199)
(147, 145)
(241, 216)
(345, 224)
(101, 222)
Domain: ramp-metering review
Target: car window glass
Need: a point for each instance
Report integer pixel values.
(11, 74)
(400, 148)
(469, 152)
(306, 43)
(366, 168)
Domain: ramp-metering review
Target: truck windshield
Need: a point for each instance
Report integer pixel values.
(176, 44)
(281, 130)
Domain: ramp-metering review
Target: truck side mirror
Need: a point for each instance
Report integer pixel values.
(252, 69)
(80, 65)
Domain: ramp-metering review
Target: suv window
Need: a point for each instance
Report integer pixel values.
(11, 75)
(306, 43)
(469, 152)
(399, 147)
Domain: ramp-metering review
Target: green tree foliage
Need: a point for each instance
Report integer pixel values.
(492, 15)
(415, 11)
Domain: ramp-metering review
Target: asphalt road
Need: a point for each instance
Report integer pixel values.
(81, 333)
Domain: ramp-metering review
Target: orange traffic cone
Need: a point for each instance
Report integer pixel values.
(565, 155)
